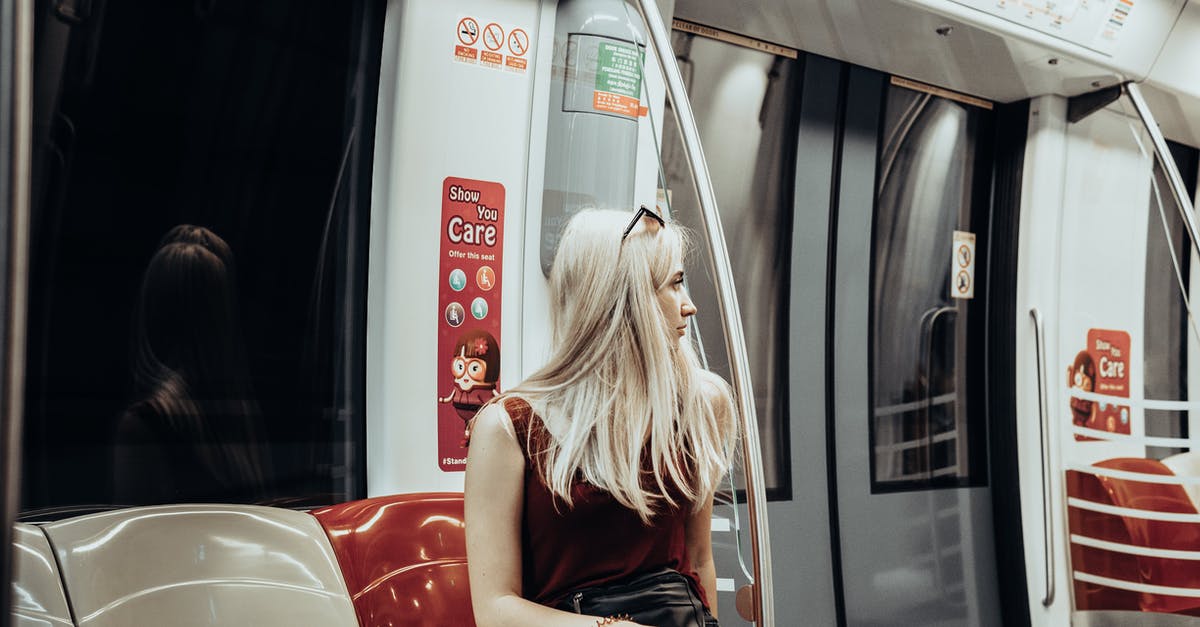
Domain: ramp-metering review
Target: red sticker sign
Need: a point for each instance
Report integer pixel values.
(1102, 367)
(493, 36)
(469, 276)
(468, 31)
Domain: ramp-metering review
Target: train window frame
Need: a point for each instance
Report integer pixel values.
(335, 331)
(982, 213)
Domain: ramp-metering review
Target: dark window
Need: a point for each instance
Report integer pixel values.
(197, 296)
(927, 306)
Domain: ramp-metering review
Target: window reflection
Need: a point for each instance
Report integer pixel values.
(222, 361)
(921, 339)
(194, 433)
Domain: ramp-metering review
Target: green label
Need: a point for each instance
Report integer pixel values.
(618, 69)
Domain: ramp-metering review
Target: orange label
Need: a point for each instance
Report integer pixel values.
(515, 63)
(615, 103)
(464, 53)
(487, 56)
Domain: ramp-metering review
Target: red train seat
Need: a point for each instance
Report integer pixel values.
(1141, 532)
(404, 558)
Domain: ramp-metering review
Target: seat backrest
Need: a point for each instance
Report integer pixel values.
(1187, 465)
(193, 565)
(1158, 534)
(404, 558)
(37, 592)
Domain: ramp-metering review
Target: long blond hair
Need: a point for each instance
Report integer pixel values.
(620, 385)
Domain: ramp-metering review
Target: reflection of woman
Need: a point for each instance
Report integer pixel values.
(193, 432)
(600, 469)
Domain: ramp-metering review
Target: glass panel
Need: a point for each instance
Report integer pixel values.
(198, 253)
(741, 100)
(928, 294)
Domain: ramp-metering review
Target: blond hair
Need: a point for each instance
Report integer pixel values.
(620, 385)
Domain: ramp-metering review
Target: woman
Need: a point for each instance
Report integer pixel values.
(601, 466)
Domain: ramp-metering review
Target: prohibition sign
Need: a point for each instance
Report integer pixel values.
(964, 256)
(493, 36)
(964, 282)
(518, 42)
(468, 31)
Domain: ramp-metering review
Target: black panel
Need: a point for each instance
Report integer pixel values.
(1011, 129)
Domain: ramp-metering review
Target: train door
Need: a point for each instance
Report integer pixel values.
(858, 209)
(908, 400)
(1106, 281)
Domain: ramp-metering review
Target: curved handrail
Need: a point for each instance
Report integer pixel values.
(1039, 331)
(731, 318)
(1183, 199)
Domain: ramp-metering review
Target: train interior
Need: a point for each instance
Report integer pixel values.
(942, 250)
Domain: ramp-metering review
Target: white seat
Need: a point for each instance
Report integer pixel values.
(37, 592)
(1187, 465)
(193, 565)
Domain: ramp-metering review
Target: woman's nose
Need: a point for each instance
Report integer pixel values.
(688, 308)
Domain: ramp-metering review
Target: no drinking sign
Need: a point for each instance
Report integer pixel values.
(469, 279)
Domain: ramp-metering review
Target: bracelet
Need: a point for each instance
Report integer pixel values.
(614, 619)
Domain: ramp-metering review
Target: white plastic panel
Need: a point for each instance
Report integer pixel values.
(1042, 189)
(193, 565)
(902, 39)
(438, 118)
(1131, 32)
(983, 54)
(37, 593)
(1173, 89)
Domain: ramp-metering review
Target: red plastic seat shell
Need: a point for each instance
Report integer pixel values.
(1134, 531)
(404, 558)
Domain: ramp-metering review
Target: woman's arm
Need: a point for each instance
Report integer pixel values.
(495, 490)
(698, 539)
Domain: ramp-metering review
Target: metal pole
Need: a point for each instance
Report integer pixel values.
(1183, 199)
(735, 341)
(16, 123)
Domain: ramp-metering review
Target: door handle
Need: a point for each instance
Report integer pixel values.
(1039, 332)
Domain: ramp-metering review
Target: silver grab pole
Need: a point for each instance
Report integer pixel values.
(735, 340)
(16, 44)
(1183, 199)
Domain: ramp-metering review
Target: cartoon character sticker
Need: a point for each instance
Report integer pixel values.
(475, 366)
(1103, 368)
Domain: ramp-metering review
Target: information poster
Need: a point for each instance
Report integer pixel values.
(1101, 367)
(469, 276)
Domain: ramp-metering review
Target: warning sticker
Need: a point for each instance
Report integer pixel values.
(962, 266)
(518, 42)
(468, 357)
(468, 31)
(618, 79)
(493, 36)
(490, 58)
(486, 46)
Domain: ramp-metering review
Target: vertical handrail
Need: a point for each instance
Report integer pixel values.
(1039, 332)
(16, 122)
(735, 342)
(1183, 200)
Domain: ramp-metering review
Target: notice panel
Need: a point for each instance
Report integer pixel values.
(469, 276)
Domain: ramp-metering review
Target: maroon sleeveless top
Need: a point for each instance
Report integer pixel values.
(596, 540)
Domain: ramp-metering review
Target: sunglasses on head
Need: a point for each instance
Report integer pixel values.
(642, 213)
